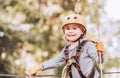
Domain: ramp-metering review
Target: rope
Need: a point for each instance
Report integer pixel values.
(101, 66)
(56, 75)
(24, 76)
(77, 7)
(64, 71)
(111, 73)
(98, 27)
(12, 75)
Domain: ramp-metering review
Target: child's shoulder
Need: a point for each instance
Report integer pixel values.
(89, 43)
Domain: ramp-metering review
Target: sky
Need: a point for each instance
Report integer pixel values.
(112, 9)
(113, 12)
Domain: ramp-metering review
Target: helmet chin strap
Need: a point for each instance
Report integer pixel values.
(78, 38)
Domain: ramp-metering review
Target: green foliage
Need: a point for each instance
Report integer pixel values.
(112, 62)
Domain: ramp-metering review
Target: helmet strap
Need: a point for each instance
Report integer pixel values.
(79, 38)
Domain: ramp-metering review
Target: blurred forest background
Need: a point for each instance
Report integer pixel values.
(30, 31)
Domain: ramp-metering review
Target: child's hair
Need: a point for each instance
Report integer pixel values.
(83, 29)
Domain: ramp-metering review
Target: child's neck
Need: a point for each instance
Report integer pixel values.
(73, 45)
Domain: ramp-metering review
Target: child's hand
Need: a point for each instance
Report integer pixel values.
(99, 46)
(33, 70)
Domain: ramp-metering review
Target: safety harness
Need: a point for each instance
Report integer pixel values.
(74, 61)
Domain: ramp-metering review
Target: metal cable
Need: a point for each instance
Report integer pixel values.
(23, 76)
(77, 7)
(111, 73)
(54, 75)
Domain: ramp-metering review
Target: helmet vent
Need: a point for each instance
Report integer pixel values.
(75, 17)
(68, 18)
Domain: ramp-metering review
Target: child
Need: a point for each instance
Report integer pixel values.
(82, 53)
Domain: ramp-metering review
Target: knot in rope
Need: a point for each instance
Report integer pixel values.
(64, 71)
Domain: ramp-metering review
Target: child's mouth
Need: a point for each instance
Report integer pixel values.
(71, 35)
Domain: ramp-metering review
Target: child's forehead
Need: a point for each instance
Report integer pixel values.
(72, 25)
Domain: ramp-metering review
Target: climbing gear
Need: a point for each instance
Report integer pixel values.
(99, 46)
(77, 7)
(100, 53)
(100, 49)
(75, 62)
(64, 71)
(74, 18)
(67, 68)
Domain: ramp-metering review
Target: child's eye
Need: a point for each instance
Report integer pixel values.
(67, 28)
(74, 28)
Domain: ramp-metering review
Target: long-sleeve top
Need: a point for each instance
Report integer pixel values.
(87, 60)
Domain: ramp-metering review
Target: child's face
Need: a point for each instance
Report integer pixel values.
(72, 32)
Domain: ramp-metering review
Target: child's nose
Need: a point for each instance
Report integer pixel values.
(70, 31)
